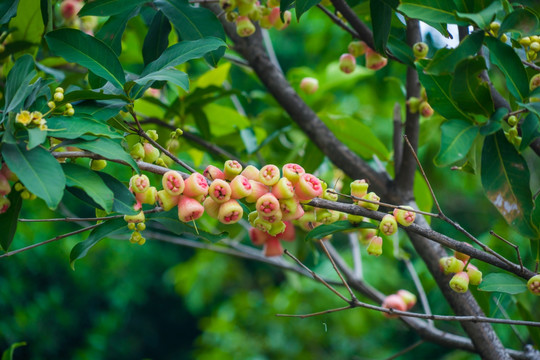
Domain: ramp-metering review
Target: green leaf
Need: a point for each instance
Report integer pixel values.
(77, 95)
(109, 149)
(494, 123)
(304, 5)
(456, 139)
(502, 282)
(8, 354)
(202, 123)
(8, 8)
(510, 64)
(533, 107)
(339, 226)
(523, 21)
(157, 38)
(111, 32)
(9, 219)
(445, 59)
(483, 18)
(381, 18)
(181, 52)
(438, 93)
(285, 5)
(439, 11)
(87, 180)
(526, 313)
(17, 83)
(36, 137)
(108, 228)
(28, 24)
(177, 77)
(468, 90)
(169, 219)
(124, 200)
(530, 130)
(109, 7)
(505, 178)
(85, 50)
(75, 126)
(194, 24)
(38, 171)
(401, 50)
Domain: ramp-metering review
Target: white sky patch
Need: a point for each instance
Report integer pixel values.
(437, 36)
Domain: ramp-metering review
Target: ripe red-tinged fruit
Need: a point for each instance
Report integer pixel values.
(147, 197)
(290, 233)
(475, 275)
(534, 285)
(269, 175)
(240, 187)
(213, 173)
(309, 85)
(139, 183)
(404, 217)
(211, 207)
(408, 297)
(420, 50)
(283, 24)
(251, 173)
(257, 236)
(359, 188)
(461, 256)
(388, 225)
(267, 205)
(195, 186)
(308, 187)
(366, 234)
(371, 196)
(375, 246)
(393, 302)
(347, 63)
(272, 247)
(189, 209)
(135, 218)
(231, 169)
(425, 109)
(5, 188)
(8, 173)
(375, 61)
(137, 151)
(283, 189)
(173, 182)
(4, 204)
(70, 8)
(258, 189)
(357, 48)
(460, 282)
(220, 191)
(230, 212)
(272, 218)
(450, 264)
(151, 154)
(166, 200)
(293, 172)
(288, 208)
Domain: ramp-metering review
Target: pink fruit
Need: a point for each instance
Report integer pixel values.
(195, 186)
(166, 200)
(151, 154)
(251, 173)
(269, 175)
(267, 205)
(257, 236)
(393, 302)
(231, 169)
(213, 173)
(189, 209)
(272, 247)
(274, 15)
(388, 225)
(408, 297)
(258, 189)
(375, 246)
(8, 173)
(461, 256)
(425, 109)
(211, 207)
(282, 24)
(290, 233)
(460, 282)
(283, 189)
(230, 212)
(220, 191)
(309, 85)
(172, 182)
(405, 217)
(70, 8)
(293, 172)
(4, 204)
(240, 187)
(5, 188)
(308, 187)
(347, 63)
(139, 183)
(375, 61)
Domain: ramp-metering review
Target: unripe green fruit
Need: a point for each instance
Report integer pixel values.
(375, 246)
(512, 121)
(355, 219)
(408, 297)
(525, 41)
(372, 197)
(374, 60)
(227, 5)
(450, 264)
(245, 7)
(405, 217)
(137, 151)
(475, 275)
(535, 46)
(420, 50)
(69, 112)
(135, 218)
(277, 228)
(151, 154)
(231, 169)
(244, 26)
(58, 96)
(283, 24)
(347, 63)
(166, 200)
(460, 282)
(98, 164)
(147, 197)
(357, 48)
(269, 175)
(534, 285)
(359, 188)
(413, 103)
(388, 225)
(309, 85)
(329, 194)
(152, 134)
(534, 82)
(139, 183)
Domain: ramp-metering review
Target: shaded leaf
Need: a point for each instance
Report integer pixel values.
(8, 354)
(249, 139)
(439, 11)
(494, 123)
(502, 282)
(8, 9)
(9, 219)
(456, 139)
(468, 90)
(176, 77)
(36, 137)
(530, 130)
(339, 226)
(381, 18)
(445, 60)
(111, 32)
(38, 171)
(169, 219)
(17, 83)
(124, 200)
(304, 5)
(521, 20)
(484, 17)
(109, 7)
(157, 38)
(108, 149)
(401, 50)
(88, 181)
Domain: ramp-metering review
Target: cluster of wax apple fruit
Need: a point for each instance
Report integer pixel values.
(465, 272)
(403, 300)
(420, 105)
(374, 60)
(147, 152)
(245, 12)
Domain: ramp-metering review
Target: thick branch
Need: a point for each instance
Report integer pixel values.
(363, 31)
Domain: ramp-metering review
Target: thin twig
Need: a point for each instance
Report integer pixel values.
(59, 237)
(353, 297)
(338, 21)
(419, 288)
(406, 350)
(532, 65)
(303, 316)
(509, 243)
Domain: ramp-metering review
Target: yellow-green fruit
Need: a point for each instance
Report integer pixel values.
(98, 164)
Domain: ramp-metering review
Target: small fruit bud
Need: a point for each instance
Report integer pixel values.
(404, 217)
(525, 41)
(475, 275)
(375, 61)
(189, 209)
(51, 104)
(357, 48)
(413, 103)
(512, 121)
(450, 264)
(152, 134)
(329, 194)
(460, 282)
(534, 285)
(69, 112)
(394, 302)
(309, 85)
(375, 246)
(420, 50)
(408, 297)
(244, 26)
(535, 46)
(388, 225)
(58, 97)
(347, 63)
(98, 164)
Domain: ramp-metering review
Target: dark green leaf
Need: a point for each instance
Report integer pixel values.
(8, 354)
(38, 171)
(502, 282)
(176, 77)
(381, 18)
(15, 47)
(108, 149)
(483, 18)
(169, 219)
(312, 159)
(510, 64)
(530, 129)
(526, 313)
(157, 38)
(36, 137)
(75, 126)
(84, 197)
(285, 5)
(8, 8)
(456, 139)
(109, 7)
(87, 180)
(202, 123)
(17, 83)
(523, 21)
(505, 178)
(324, 230)
(440, 11)
(401, 50)
(9, 219)
(108, 228)
(194, 24)
(468, 90)
(445, 60)
(123, 198)
(494, 123)
(533, 107)
(111, 32)
(77, 95)
(304, 5)
(78, 47)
